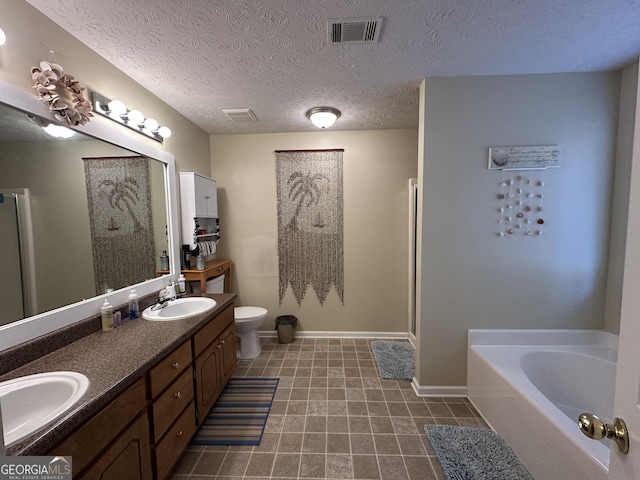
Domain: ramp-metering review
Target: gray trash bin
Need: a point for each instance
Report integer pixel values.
(285, 325)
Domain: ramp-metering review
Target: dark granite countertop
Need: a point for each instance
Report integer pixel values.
(112, 361)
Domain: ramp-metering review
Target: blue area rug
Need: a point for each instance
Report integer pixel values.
(470, 453)
(239, 415)
(396, 360)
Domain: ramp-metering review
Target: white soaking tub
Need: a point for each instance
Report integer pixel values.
(531, 385)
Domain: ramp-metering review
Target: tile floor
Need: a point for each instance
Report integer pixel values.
(332, 418)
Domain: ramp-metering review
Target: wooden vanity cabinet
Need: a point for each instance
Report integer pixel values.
(142, 433)
(114, 444)
(214, 348)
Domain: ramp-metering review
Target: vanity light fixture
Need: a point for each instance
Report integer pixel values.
(134, 119)
(323, 117)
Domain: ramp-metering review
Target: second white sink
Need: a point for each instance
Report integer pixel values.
(180, 308)
(30, 403)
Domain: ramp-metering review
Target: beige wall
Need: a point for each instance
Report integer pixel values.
(377, 167)
(470, 277)
(30, 38)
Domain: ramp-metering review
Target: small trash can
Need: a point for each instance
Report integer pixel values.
(285, 325)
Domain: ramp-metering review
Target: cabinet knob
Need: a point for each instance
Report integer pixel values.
(179, 434)
(223, 342)
(219, 346)
(178, 395)
(176, 365)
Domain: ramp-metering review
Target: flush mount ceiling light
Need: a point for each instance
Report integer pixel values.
(323, 117)
(134, 119)
(57, 131)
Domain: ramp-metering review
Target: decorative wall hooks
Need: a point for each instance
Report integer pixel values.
(520, 205)
(134, 119)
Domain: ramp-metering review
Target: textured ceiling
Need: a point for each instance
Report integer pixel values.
(273, 56)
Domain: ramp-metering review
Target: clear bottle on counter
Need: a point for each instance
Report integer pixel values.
(106, 314)
(200, 263)
(134, 308)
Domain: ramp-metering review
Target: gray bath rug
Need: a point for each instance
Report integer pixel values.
(396, 360)
(470, 453)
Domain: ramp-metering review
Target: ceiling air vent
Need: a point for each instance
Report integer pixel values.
(354, 30)
(240, 114)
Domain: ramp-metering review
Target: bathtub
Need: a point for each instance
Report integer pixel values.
(531, 385)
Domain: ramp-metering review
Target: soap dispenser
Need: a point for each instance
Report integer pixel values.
(106, 313)
(134, 309)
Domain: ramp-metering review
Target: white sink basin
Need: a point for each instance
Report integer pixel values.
(30, 403)
(180, 308)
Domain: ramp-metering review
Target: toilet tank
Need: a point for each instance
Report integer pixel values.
(214, 285)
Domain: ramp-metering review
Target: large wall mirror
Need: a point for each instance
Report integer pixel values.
(81, 219)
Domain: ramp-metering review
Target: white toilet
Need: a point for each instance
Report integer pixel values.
(248, 321)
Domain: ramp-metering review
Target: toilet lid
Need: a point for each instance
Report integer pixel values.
(242, 313)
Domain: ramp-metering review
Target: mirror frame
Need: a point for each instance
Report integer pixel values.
(35, 326)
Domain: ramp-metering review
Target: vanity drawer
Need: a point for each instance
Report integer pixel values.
(169, 368)
(167, 452)
(207, 334)
(169, 405)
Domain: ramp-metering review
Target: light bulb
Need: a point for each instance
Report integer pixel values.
(117, 107)
(164, 132)
(150, 124)
(136, 117)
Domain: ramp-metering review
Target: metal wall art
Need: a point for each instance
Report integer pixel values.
(310, 222)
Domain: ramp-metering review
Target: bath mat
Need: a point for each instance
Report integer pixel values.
(470, 453)
(239, 415)
(396, 360)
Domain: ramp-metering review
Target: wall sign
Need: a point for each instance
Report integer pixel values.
(524, 158)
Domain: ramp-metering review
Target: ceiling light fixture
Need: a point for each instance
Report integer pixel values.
(134, 119)
(323, 117)
(57, 131)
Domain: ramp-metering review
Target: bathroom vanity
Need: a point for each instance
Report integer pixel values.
(152, 385)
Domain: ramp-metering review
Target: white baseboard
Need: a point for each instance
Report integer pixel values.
(438, 391)
(328, 334)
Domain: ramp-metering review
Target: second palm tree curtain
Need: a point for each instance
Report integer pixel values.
(119, 201)
(310, 222)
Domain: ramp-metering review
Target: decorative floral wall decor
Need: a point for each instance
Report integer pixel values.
(62, 93)
(119, 200)
(310, 222)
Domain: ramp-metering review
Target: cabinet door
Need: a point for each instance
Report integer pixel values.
(227, 353)
(200, 194)
(129, 456)
(208, 384)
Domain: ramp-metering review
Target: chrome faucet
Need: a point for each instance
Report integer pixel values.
(164, 297)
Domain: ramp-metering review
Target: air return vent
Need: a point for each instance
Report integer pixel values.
(354, 30)
(240, 114)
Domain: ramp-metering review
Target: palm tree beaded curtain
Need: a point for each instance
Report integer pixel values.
(119, 201)
(310, 222)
